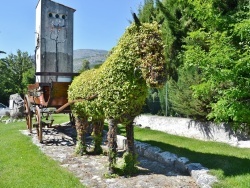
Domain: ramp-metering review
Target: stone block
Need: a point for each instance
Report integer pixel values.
(180, 164)
(152, 153)
(141, 147)
(203, 179)
(121, 142)
(200, 174)
(167, 158)
(195, 166)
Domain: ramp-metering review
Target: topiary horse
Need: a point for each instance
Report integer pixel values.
(119, 87)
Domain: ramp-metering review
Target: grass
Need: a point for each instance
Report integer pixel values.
(231, 165)
(22, 164)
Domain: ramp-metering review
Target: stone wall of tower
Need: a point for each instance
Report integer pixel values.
(54, 40)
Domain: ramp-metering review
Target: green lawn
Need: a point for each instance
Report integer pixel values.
(230, 164)
(22, 164)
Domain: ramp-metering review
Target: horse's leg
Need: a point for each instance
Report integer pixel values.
(97, 133)
(130, 138)
(112, 144)
(130, 157)
(81, 126)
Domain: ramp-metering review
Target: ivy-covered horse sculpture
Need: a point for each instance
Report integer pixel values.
(119, 88)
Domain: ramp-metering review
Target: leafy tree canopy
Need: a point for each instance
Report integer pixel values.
(17, 71)
(221, 51)
(207, 51)
(85, 66)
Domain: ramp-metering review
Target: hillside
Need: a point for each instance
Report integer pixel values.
(95, 57)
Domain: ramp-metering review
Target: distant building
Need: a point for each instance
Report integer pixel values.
(54, 41)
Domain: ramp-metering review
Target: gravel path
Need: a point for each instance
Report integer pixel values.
(60, 145)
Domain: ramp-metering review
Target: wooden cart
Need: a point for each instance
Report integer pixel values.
(44, 99)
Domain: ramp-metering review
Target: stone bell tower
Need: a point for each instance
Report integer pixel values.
(54, 42)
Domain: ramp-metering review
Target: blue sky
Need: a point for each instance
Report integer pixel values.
(98, 24)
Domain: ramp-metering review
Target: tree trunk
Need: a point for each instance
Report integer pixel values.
(81, 128)
(112, 144)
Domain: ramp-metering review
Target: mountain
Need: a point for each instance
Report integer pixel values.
(95, 57)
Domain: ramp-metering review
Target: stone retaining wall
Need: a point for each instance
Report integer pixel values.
(193, 129)
(199, 173)
(195, 170)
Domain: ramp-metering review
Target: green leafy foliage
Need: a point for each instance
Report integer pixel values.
(223, 59)
(182, 97)
(121, 83)
(152, 105)
(120, 89)
(213, 38)
(127, 166)
(17, 71)
(130, 161)
(177, 22)
(85, 66)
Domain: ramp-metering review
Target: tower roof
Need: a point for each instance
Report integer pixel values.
(58, 4)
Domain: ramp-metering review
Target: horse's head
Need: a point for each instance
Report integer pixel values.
(150, 51)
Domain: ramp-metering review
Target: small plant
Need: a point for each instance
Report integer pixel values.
(98, 142)
(108, 176)
(129, 167)
(80, 149)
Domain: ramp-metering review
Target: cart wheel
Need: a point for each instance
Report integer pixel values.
(28, 113)
(39, 124)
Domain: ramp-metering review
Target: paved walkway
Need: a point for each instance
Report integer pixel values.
(60, 145)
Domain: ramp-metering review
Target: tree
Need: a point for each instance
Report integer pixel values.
(85, 66)
(221, 51)
(147, 12)
(152, 104)
(181, 95)
(177, 22)
(211, 37)
(17, 71)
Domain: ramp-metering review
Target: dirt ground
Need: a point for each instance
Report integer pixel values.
(59, 144)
